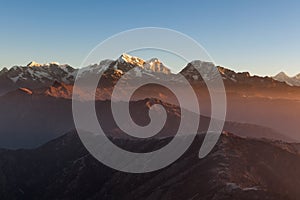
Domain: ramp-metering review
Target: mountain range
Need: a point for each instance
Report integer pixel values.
(36, 75)
(42, 157)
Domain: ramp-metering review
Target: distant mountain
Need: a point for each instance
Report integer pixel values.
(207, 69)
(134, 67)
(152, 65)
(33, 117)
(236, 169)
(230, 77)
(35, 75)
(125, 63)
(283, 77)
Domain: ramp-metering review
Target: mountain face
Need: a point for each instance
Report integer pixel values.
(236, 169)
(207, 69)
(35, 75)
(230, 77)
(125, 63)
(283, 77)
(113, 70)
(152, 65)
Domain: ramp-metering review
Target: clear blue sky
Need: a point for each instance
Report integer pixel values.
(262, 37)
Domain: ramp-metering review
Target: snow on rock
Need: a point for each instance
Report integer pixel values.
(283, 77)
(41, 73)
(15, 79)
(131, 59)
(33, 64)
(234, 186)
(152, 65)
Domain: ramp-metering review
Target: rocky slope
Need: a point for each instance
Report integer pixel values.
(237, 168)
(35, 75)
(283, 77)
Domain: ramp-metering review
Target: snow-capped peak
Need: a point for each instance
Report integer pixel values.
(152, 65)
(282, 75)
(131, 59)
(35, 73)
(156, 65)
(154, 60)
(297, 76)
(35, 64)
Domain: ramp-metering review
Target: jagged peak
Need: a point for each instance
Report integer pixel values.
(3, 70)
(281, 74)
(199, 65)
(200, 62)
(131, 59)
(153, 64)
(35, 64)
(297, 76)
(156, 60)
(208, 66)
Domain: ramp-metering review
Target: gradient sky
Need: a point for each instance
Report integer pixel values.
(262, 37)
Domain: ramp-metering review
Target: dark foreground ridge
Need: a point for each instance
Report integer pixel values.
(237, 168)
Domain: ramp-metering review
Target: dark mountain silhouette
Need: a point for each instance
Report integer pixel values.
(237, 168)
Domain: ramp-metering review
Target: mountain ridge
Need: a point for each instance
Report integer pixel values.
(236, 169)
(290, 80)
(36, 75)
